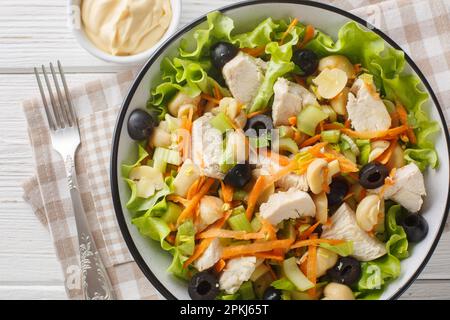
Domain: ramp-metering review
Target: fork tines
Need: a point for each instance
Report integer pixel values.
(60, 114)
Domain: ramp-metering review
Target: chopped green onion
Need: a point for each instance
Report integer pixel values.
(331, 136)
(246, 291)
(287, 144)
(309, 118)
(293, 273)
(221, 122)
(172, 213)
(239, 195)
(239, 222)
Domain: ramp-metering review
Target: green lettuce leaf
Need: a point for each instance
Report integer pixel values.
(154, 228)
(126, 168)
(397, 245)
(422, 157)
(184, 248)
(283, 284)
(387, 67)
(137, 204)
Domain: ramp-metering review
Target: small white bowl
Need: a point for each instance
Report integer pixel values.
(75, 25)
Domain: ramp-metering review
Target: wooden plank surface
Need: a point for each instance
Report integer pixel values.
(34, 32)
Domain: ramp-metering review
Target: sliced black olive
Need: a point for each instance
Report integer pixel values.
(203, 286)
(222, 53)
(372, 175)
(346, 271)
(238, 176)
(141, 124)
(272, 294)
(415, 226)
(307, 60)
(256, 124)
(338, 191)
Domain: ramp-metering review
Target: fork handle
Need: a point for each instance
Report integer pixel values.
(94, 279)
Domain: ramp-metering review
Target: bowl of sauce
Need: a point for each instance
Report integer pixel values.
(123, 31)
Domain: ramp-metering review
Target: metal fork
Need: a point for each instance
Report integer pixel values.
(65, 137)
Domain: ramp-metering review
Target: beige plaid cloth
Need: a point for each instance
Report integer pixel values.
(421, 28)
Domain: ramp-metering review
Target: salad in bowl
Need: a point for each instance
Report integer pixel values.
(281, 164)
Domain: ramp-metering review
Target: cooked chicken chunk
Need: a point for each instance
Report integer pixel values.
(207, 147)
(408, 188)
(344, 227)
(288, 101)
(365, 108)
(237, 271)
(244, 75)
(291, 204)
(211, 210)
(211, 255)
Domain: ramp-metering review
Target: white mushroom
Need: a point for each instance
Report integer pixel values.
(337, 291)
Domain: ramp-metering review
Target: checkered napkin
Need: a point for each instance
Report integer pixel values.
(420, 27)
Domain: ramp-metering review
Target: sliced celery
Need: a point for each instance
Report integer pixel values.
(364, 155)
(293, 273)
(238, 210)
(239, 222)
(246, 291)
(221, 122)
(331, 113)
(351, 143)
(309, 118)
(172, 213)
(361, 142)
(256, 224)
(331, 136)
(167, 155)
(287, 144)
(349, 155)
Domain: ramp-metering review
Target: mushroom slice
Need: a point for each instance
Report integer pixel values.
(148, 180)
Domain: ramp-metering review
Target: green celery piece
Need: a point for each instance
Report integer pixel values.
(309, 118)
(221, 122)
(331, 136)
(246, 291)
(239, 222)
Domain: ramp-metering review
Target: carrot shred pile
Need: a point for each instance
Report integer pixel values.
(292, 121)
(305, 234)
(315, 242)
(209, 98)
(253, 114)
(309, 35)
(227, 192)
(219, 266)
(390, 133)
(251, 249)
(403, 116)
(386, 155)
(310, 141)
(230, 234)
(189, 210)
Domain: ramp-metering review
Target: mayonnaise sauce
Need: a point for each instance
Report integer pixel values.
(125, 27)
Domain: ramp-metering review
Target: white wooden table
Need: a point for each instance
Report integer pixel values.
(34, 32)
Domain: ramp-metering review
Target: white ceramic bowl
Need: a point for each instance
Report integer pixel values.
(77, 29)
(153, 261)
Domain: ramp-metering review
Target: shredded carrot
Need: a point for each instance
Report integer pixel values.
(190, 207)
(258, 188)
(386, 155)
(309, 35)
(219, 266)
(217, 93)
(253, 114)
(254, 52)
(230, 234)
(227, 192)
(242, 250)
(314, 242)
(403, 116)
(198, 251)
(269, 256)
(390, 133)
(203, 245)
(310, 141)
(293, 121)
(348, 124)
(268, 230)
(193, 189)
(171, 239)
(325, 186)
(331, 126)
(305, 234)
(207, 97)
(311, 268)
(316, 150)
(178, 199)
(289, 29)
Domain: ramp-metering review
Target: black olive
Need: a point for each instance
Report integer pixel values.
(203, 286)
(272, 294)
(222, 53)
(372, 175)
(141, 124)
(415, 226)
(307, 60)
(338, 191)
(346, 271)
(239, 175)
(256, 124)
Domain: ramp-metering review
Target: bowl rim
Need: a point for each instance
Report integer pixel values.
(123, 110)
(88, 45)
